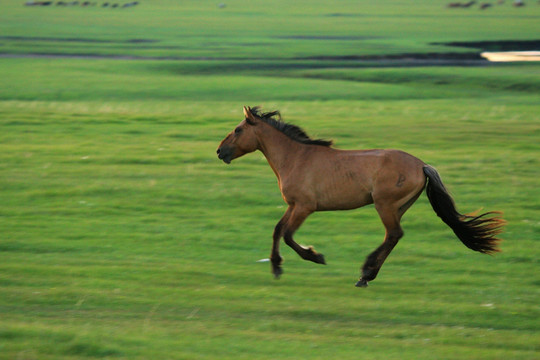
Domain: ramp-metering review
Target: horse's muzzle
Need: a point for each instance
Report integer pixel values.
(225, 154)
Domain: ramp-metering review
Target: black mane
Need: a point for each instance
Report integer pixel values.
(273, 118)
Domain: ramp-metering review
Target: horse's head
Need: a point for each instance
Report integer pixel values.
(242, 140)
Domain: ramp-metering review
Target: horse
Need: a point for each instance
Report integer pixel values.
(314, 176)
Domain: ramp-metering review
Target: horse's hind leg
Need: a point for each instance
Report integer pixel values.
(390, 213)
(390, 218)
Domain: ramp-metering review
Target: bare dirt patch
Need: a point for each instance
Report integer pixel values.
(508, 56)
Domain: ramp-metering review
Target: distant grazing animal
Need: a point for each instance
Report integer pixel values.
(134, 3)
(519, 3)
(460, 5)
(469, 4)
(314, 176)
(484, 6)
(38, 3)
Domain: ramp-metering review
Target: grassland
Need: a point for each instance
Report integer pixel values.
(259, 29)
(123, 237)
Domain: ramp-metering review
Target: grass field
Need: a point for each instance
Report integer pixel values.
(259, 29)
(122, 236)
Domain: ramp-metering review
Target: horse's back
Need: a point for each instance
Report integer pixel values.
(347, 179)
(379, 174)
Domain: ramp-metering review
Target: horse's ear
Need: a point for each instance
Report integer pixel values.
(249, 116)
(247, 111)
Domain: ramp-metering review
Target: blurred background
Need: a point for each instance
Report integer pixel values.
(122, 236)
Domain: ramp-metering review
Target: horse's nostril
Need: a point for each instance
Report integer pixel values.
(218, 151)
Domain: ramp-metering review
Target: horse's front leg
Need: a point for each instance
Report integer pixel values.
(275, 257)
(297, 217)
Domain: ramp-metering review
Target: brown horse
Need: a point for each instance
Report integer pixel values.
(313, 176)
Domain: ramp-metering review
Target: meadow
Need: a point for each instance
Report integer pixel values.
(122, 236)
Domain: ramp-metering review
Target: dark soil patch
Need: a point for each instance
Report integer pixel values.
(425, 56)
(322, 37)
(500, 45)
(405, 60)
(80, 40)
(322, 61)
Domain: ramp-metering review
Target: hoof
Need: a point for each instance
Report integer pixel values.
(319, 259)
(277, 271)
(362, 283)
(315, 256)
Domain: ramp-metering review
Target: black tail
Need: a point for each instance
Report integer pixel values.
(476, 232)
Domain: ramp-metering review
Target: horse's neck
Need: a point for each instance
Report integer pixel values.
(279, 150)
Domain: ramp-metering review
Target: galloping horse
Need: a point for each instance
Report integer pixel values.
(314, 176)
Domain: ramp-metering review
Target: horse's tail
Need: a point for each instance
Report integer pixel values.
(477, 232)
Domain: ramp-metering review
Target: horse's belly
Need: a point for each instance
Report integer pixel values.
(343, 200)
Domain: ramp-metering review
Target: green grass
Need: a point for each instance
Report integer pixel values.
(113, 80)
(124, 237)
(258, 29)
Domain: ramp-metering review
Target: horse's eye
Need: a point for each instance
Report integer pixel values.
(238, 130)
